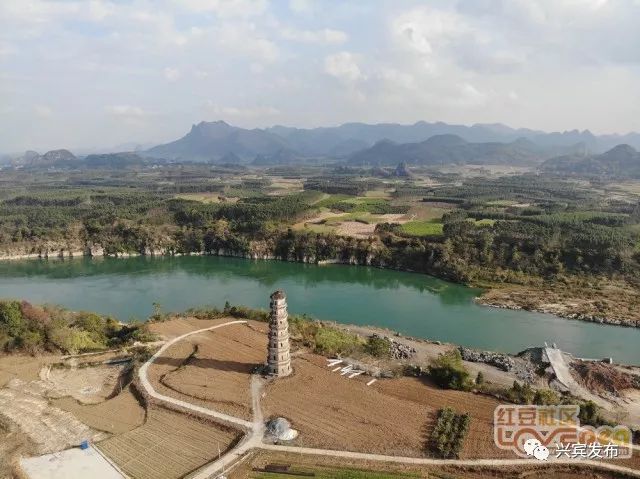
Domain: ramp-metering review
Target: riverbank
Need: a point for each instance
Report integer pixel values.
(605, 301)
(595, 300)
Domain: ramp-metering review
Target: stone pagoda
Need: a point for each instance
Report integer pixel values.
(279, 361)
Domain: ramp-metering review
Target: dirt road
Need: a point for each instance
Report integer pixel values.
(253, 440)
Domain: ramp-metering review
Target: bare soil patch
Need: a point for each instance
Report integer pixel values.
(356, 229)
(117, 415)
(179, 326)
(169, 445)
(13, 443)
(26, 368)
(603, 378)
(213, 369)
(392, 416)
(319, 464)
(91, 385)
(50, 429)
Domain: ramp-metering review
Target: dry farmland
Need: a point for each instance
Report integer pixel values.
(117, 415)
(392, 416)
(169, 445)
(331, 467)
(213, 369)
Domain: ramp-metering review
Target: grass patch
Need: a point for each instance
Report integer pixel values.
(200, 197)
(485, 222)
(421, 228)
(500, 203)
(331, 201)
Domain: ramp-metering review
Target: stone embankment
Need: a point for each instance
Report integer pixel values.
(396, 349)
(523, 369)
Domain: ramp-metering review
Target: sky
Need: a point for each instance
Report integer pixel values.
(100, 73)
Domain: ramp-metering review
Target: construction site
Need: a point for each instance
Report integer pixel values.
(243, 398)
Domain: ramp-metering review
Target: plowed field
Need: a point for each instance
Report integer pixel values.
(392, 416)
(213, 369)
(169, 445)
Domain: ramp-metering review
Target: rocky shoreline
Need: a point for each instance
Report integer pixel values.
(564, 311)
(528, 299)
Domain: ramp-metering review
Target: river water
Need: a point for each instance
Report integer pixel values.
(413, 304)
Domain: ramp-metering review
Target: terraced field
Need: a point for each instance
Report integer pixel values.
(169, 445)
(213, 369)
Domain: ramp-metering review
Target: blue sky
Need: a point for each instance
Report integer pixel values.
(98, 73)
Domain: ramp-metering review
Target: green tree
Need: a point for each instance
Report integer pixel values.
(448, 371)
(11, 319)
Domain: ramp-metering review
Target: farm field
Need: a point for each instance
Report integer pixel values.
(330, 473)
(391, 417)
(212, 369)
(169, 445)
(117, 415)
(422, 228)
(354, 469)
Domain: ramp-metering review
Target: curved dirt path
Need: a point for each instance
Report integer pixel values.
(146, 384)
(253, 440)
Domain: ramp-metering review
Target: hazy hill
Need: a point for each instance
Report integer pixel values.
(351, 137)
(112, 161)
(283, 156)
(230, 159)
(448, 149)
(622, 161)
(212, 141)
(54, 156)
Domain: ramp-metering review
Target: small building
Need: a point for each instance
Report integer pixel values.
(279, 359)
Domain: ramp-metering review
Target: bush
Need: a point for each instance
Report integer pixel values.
(448, 435)
(330, 341)
(590, 415)
(447, 371)
(545, 397)
(32, 329)
(73, 341)
(378, 347)
(521, 394)
(11, 319)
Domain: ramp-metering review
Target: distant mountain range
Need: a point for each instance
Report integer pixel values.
(620, 161)
(67, 160)
(211, 141)
(449, 150)
(380, 145)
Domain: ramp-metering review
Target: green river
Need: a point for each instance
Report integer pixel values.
(413, 304)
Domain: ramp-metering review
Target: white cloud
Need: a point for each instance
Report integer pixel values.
(129, 115)
(125, 110)
(226, 8)
(171, 74)
(470, 96)
(43, 111)
(247, 40)
(326, 36)
(526, 62)
(343, 65)
(6, 49)
(424, 29)
(302, 6)
(256, 112)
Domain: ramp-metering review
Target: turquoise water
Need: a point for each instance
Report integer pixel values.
(413, 304)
